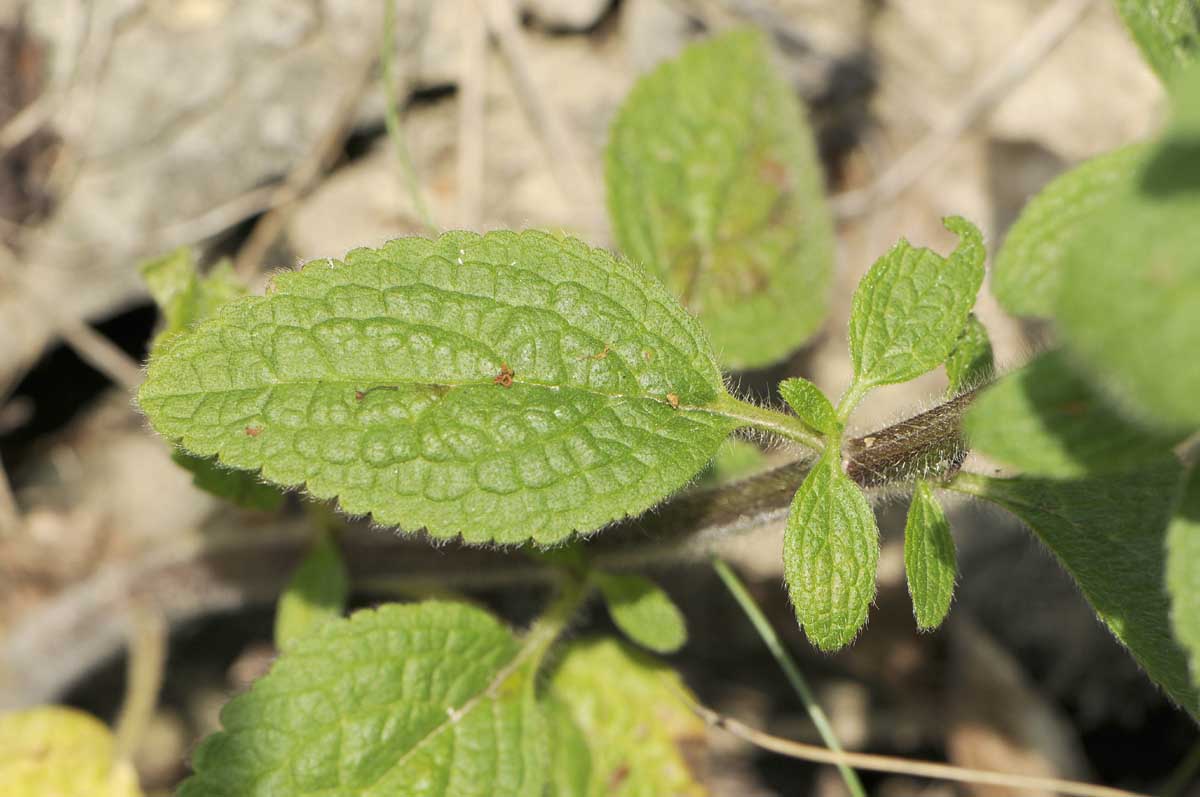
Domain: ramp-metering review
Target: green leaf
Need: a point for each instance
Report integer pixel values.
(929, 558)
(1183, 571)
(55, 751)
(501, 387)
(830, 553)
(1167, 31)
(433, 699)
(811, 405)
(1108, 532)
(570, 773)
(185, 297)
(1029, 267)
(970, 363)
(242, 488)
(1131, 314)
(315, 595)
(1047, 420)
(643, 611)
(642, 734)
(714, 185)
(911, 306)
(735, 459)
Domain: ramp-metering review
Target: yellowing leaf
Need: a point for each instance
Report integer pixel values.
(54, 751)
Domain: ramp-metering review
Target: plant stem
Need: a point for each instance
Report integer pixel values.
(768, 420)
(557, 615)
(851, 399)
(143, 679)
(789, 667)
(391, 118)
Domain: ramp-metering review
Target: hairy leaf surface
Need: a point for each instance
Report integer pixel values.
(909, 309)
(810, 404)
(930, 562)
(970, 363)
(642, 736)
(830, 554)
(714, 184)
(1028, 269)
(1109, 533)
(55, 751)
(1047, 420)
(500, 387)
(1167, 31)
(1183, 571)
(315, 594)
(1131, 314)
(429, 700)
(643, 611)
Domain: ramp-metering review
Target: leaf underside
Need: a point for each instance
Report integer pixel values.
(714, 185)
(502, 387)
(1047, 420)
(1108, 532)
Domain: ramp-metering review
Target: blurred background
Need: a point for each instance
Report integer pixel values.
(258, 130)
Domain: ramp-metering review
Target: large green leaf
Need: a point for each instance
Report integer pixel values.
(930, 564)
(1029, 266)
(1047, 420)
(1134, 274)
(643, 737)
(1167, 31)
(643, 611)
(1108, 532)
(830, 554)
(1183, 571)
(315, 595)
(909, 309)
(430, 700)
(714, 184)
(501, 387)
(55, 751)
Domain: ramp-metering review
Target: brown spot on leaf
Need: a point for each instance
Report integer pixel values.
(359, 395)
(505, 377)
(253, 431)
(673, 400)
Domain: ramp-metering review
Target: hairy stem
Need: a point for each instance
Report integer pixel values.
(786, 426)
(786, 663)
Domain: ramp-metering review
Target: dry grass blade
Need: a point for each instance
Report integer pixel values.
(904, 766)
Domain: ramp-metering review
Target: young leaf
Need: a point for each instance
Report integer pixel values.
(238, 486)
(929, 558)
(970, 363)
(55, 751)
(1167, 31)
(643, 737)
(810, 404)
(183, 296)
(1131, 314)
(714, 184)
(315, 595)
(1107, 531)
(432, 698)
(1183, 571)
(911, 306)
(830, 553)
(1047, 420)
(1028, 268)
(501, 387)
(643, 611)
